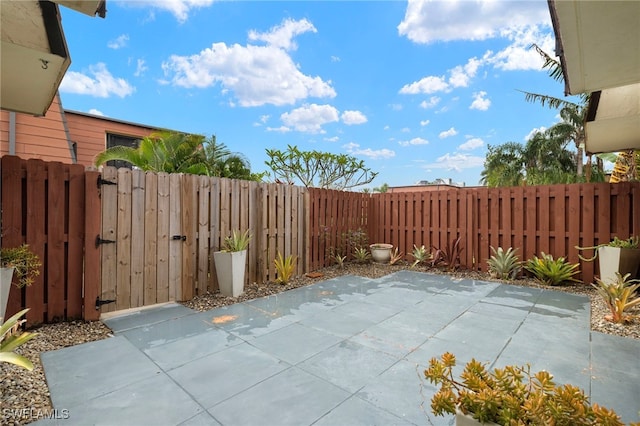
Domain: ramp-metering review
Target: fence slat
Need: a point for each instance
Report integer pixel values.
(109, 261)
(203, 234)
(55, 243)
(123, 240)
(164, 214)
(150, 269)
(75, 241)
(175, 246)
(36, 236)
(92, 263)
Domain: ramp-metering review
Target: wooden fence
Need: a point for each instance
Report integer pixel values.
(54, 208)
(159, 232)
(138, 238)
(551, 219)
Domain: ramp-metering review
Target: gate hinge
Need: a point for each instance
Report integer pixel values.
(104, 182)
(99, 302)
(101, 241)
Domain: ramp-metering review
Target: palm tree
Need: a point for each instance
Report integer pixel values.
(221, 162)
(503, 165)
(165, 151)
(547, 161)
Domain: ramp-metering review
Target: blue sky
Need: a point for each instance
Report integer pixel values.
(416, 89)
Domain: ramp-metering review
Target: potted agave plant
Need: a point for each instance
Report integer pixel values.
(617, 256)
(231, 263)
(510, 395)
(20, 262)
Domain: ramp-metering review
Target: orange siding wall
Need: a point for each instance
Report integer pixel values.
(89, 132)
(38, 137)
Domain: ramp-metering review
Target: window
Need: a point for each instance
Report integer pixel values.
(116, 140)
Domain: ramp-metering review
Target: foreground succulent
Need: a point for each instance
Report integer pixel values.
(504, 265)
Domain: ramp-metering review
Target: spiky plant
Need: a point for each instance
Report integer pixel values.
(396, 256)
(619, 295)
(504, 265)
(361, 255)
(552, 271)
(420, 254)
(11, 338)
(285, 267)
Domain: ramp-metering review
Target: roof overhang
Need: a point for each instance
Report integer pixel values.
(88, 7)
(598, 43)
(33, 55)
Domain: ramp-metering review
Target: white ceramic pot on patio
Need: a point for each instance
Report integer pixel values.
(616, 259)
(466, 420)
(230, 270)
(6, 274)
(381, 252)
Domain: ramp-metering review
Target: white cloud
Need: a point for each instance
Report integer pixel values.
(354, 149)
(96, 112)
(335, 58)
(471, 144)
(448, 133)
(519, 55)
(353, 117)
(456, 162)
(141, 68)
(405, 130)
(396, 107)
(432, 102)
(118, 42)
(533, 132)
(262, 120)
(178, 8)
(480, 102)
(101, 85)
(310, 118)
(425, 122)
(427, 85)
(281, 129)
(414, 141)
(257, 75)
(281, 36)
(386, 127)
(430, 21)
(332, 139)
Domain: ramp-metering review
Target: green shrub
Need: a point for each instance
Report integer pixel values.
(552, 271)
(511, 396)
(503, 265)
(26, 264)
(237, 241)
(361, 255)
(618, 296)
(420, 254)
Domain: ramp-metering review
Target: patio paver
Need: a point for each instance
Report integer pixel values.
(350, 350)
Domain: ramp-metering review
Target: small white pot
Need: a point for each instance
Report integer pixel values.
(6, 274)
(616, 259)
(466, 420)
(230, 270)
(380, 252)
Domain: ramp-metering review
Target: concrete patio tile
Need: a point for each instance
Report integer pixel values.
(615, 353)
(403, 392)
(606, 390)
(350, 287)
(244, 320)
(292, 397)
(447, 306)
(563, 305)
(470, 288)
(513, 296)
(295, 342)
(418, 319)
(153, 401)
(432, 282)
(298, 303)
(149, 336)
(187, 349)
(500, 311)
(221, 375)
(348, 365)
(356, 412)
(147, 316)
(337, 323)
(80, 373)
(394, 296)
(368, 311)
(202, 419)
(485, 352)
(387, 337)
(477, 330)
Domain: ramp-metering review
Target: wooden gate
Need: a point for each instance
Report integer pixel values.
(148, 238)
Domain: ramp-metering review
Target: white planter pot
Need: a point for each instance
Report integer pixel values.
(381, 253)
(616, 259)
(230, 269)
(6, 274)
(466, 420)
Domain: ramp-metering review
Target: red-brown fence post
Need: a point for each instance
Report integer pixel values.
(92, 228)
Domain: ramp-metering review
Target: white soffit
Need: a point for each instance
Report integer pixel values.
(88, 7)
(616, 124)
(598, 42)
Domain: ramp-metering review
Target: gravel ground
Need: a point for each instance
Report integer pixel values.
(24, 395)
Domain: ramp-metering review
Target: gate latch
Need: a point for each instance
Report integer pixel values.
(99, 302)
(179, 237)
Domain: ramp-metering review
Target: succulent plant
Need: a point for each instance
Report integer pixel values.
(504, 265)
